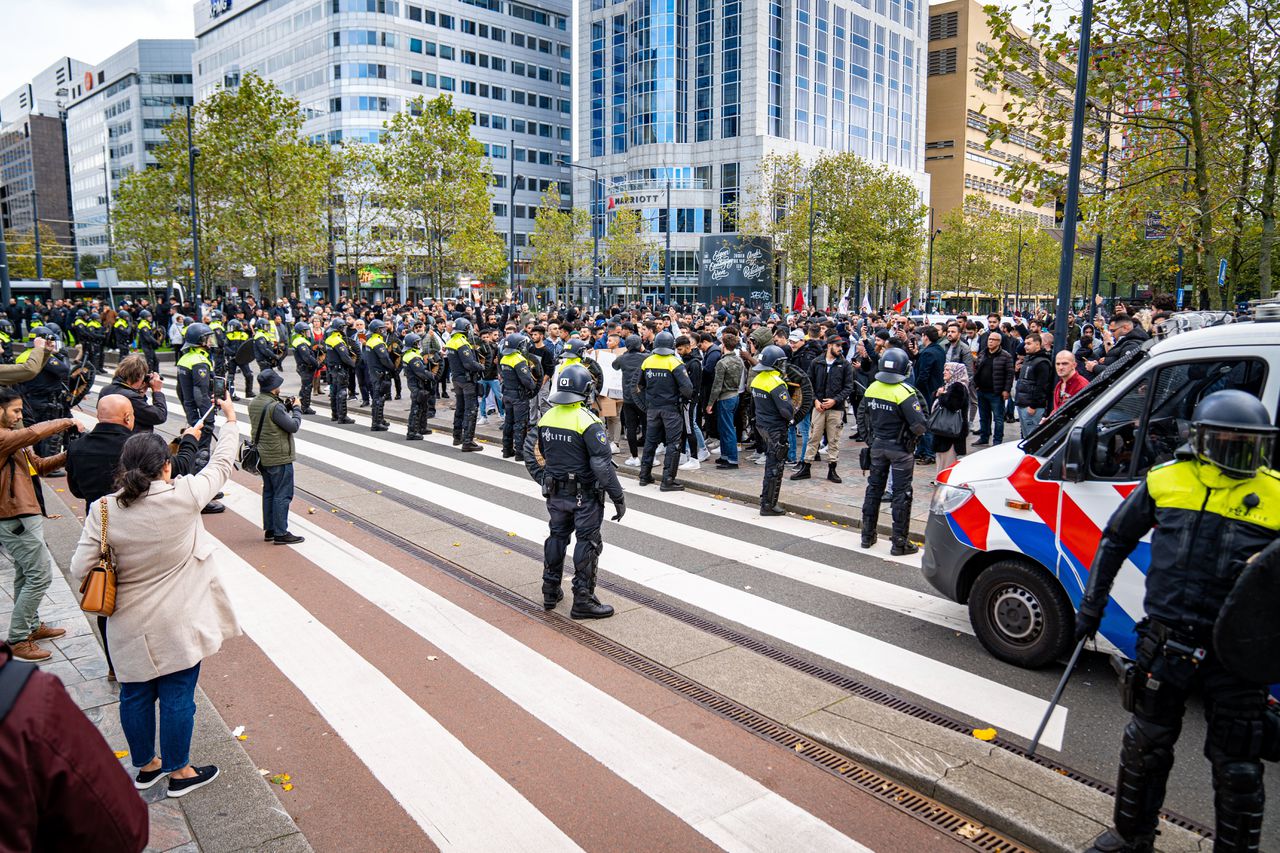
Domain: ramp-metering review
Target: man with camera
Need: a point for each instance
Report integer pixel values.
(273, 421)
(133, 380)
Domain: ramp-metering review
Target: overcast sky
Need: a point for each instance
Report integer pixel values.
(37, 32)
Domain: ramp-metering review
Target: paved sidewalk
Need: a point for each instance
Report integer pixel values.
(240, 811)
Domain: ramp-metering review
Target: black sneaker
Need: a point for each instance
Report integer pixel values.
(289, 539)
(146, 778)
(268, 536)
(182, 787)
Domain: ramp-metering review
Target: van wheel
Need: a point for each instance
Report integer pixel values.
(1021, 614)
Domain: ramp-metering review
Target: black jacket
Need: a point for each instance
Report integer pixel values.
(146, 416)
(1001, 370)
(1134, 340)
(832, 381)
(1035, 381)
(629, 363)
(92, 460)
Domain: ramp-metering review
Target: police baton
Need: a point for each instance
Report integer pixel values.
(1057, 696)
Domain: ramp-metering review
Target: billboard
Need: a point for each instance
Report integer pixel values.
(734, 266)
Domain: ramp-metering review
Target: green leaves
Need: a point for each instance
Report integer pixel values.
(561, 242)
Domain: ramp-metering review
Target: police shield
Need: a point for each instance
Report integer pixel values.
(244, 355)
(1247, 634)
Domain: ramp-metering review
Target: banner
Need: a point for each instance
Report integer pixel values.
(732, 266)
(612, 375)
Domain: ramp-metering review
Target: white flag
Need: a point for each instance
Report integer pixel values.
(866, 304)
(843, 307)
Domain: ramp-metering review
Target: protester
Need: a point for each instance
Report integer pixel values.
(1035, 384)
(992, 381)
(171, 612)
(274, 422)
(22, 522)
(1070, 382)
(726, 386)
(952, 396)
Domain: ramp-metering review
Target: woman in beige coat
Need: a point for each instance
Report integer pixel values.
(171, 611)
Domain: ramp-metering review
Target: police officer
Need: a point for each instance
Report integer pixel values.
(148, 340)
(44, 397)
(518, 387)
(341, 365)
(774, 413)
(264, 345)
(237, 337)
(663, 386)
(219, 351)
(466, 370)
(306, 362)
(1212, 508)
(95, 338)
(896, 419)
(378, 367)
(6, 341)
(195, 388)
(422, 386)
(576, 475)
(122, 334)
(78, 325)
(575, 352)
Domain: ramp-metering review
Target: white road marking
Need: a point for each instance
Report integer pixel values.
(728, 807)
(457, 799)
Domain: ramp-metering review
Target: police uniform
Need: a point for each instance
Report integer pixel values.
(518, 388)
(578, 472)
(219, 353)
(340, 365)
(896, 419)
(774, 413)
(378, 367)
(195, 389)
(237, 337)
(264, 348)
(304, 359)
(45, 397)
(663, 386)
(466, 371)
(122, 334)
(422, 385)
(1207, 524)
(6, 342)
(147, 343)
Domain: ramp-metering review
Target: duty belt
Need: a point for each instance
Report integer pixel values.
(1192, 640)
(572, 487)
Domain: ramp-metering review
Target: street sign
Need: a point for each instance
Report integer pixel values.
(1222, 272)
(1180, 292)
(1155, 229)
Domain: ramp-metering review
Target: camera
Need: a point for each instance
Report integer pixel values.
(219, 387)
(289, 403)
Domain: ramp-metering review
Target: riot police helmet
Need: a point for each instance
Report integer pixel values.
(514, 343)
(95, 317)
(772, 357)
(144, 314)
(572, 386)
(197, 335)
(461, 324)
(216, 316)
(664, 343)
(262, 324)
(412, 341)
(634, 344)
(81, 313)
(233, 326)
(48, 331)
(574, 348)
(337, 324)
(301, 327)
(1232, 430)
(376, 326)
(5, 325)
(895, 364)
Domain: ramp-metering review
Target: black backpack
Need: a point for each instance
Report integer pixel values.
(13, 677)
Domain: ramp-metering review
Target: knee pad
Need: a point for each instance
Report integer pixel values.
(1148, 745)
(1238, 778)
(1232, 737)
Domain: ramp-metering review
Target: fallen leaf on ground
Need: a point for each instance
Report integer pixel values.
(511, 533)
(242, 737)
(984, 734)
(286, 786)
(800, 745)
(807, 517)
(311, 510)
(121, 753)
(457, 544)
(377, 491)
(59, 491)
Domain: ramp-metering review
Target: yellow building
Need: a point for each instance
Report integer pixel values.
(956, 117)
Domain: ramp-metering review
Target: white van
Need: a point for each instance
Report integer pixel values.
(1012, 530)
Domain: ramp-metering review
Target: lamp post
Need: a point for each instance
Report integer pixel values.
(595, 235)
(1018, 282)
(1097, 238)
(35, 212)
(192, 153)
(1072, 206)
(809, 277)
(933, 235)
(666, 255)
(4, 267)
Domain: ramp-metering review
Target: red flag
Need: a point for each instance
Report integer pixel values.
(799, 303)
(902, 306)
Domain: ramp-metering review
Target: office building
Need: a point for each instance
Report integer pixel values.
(115, 121)
(692, 95)
(33, 162)
(354, 63)
(961, 107)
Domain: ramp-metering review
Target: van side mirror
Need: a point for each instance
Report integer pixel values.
(1073, 459)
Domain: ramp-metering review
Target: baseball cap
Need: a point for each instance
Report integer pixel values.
(796, 335)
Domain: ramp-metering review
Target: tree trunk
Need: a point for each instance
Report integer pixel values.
(1268, 205)
(1236, 261)
(1191, 73)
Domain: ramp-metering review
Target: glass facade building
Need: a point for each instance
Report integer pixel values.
(115, 122)
(690, 95)
(353, 63)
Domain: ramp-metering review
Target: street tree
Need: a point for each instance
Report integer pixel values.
(561, 242)
(629, 254)
(356, 212)
(435, 186)
(147, 227)
(55, 257)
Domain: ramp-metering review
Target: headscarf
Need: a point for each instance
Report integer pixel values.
(959, 373)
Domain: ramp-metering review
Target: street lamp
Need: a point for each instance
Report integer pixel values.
(1072, 206)
(595, 235)
(933, 235)
(1018, 284)
(192, 153)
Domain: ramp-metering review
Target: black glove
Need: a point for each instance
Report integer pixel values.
(619, 508)
(1087, 622)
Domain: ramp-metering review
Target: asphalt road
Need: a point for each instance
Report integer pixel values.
(798, 585)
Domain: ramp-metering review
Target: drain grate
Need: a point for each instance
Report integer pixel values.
(732, 635)
(938, 816)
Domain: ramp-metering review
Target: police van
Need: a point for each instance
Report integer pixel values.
(1012, 530)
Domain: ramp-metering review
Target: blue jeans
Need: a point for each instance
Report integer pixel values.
(1029, 422)
(802, 429)
(277, 492)
(990, 410)
(176, 694)
(726, 412)
(493, 388)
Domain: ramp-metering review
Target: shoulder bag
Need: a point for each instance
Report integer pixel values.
(98, 590)
(250, 458)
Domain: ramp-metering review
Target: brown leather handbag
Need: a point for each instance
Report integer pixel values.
(98, 590)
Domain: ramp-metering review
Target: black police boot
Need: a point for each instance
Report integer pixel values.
(1112, 841)
(551, 595)
(587, 606)
(802, 471)
(869, 532)
(832, 475)
(903, 547)
(646, 476)
(248, 388)
(413, 436)
(457, 439)
(471, 447)
(771, 509)
(671, 486)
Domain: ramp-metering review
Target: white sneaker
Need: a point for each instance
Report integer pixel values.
(704, 454)
(690, 464)
(482, 420)
(613, 447)
(712, 443)
(662, 450)
(760, 460)
(633, 462)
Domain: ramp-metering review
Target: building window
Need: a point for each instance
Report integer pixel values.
(777, 126)
(942, 62)
(704, 32)
(944, 26)
(728, 197)
(730, 69)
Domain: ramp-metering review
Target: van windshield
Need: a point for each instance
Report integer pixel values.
(1056, 426)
